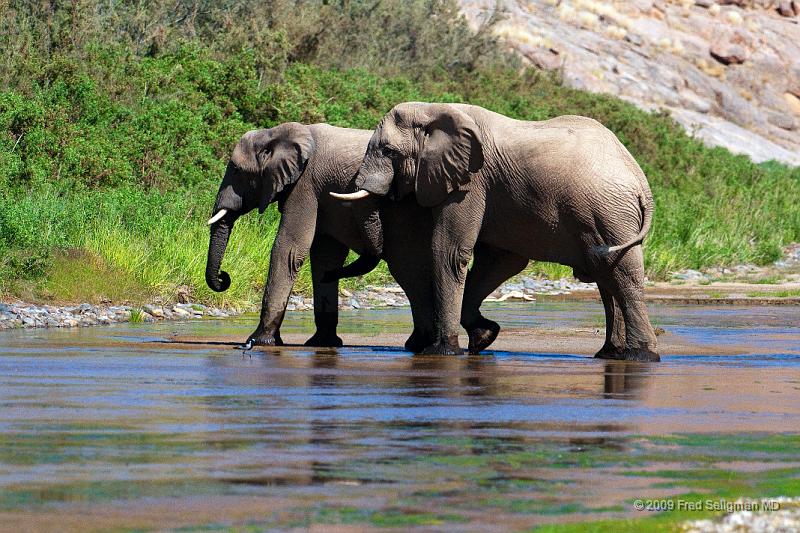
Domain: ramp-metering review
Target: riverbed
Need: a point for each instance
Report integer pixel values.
(170, 425)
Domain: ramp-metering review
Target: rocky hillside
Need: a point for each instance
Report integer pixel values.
(729, 71)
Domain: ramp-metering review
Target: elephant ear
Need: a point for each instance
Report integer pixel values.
(284, 159)
(451, 152)
(278, 156)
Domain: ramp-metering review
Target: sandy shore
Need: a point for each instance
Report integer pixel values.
(576, 341)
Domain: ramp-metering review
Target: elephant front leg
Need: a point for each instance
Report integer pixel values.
(453, 241)
(327, 254)
(285, 261)
(267, 333)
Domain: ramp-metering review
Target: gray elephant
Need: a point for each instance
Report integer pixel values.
(563, 190)
(297, 165)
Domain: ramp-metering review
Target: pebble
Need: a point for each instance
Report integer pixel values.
(523, 288)
(787, 519)
(24, 315)
(789, 262)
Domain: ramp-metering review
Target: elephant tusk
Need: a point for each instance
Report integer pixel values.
(358, 195)
(221, 213)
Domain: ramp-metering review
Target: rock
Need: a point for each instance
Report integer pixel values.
(154, 310)
(355, 304)
(543, 58)
(783, 121)
(180, 312)
(729, 53)
(754, 51)
(688, 275)
(786, 8)
(793, 101)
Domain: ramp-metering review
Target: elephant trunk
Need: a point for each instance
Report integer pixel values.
(216, 279)
(367, 214)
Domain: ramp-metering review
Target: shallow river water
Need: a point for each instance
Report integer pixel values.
(143, 426)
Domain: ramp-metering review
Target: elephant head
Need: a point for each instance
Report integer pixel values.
(430, 150)
(264, 164)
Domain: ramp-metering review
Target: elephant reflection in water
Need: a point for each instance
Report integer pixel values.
(449, 376)
(624, 379)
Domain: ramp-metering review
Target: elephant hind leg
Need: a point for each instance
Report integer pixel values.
(327, 254)
(490, 267)
(624, 279)
(615, 327)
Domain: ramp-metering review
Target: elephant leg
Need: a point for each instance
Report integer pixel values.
(289, 250)
(625, 281)
(407, 252)
(416, 283)
(490, 267)
(326, 254)
(455, 233)
(615, 326)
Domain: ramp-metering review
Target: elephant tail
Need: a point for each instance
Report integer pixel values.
(646, 205)
(365, 263)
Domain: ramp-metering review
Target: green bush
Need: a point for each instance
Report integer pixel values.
(117, 148)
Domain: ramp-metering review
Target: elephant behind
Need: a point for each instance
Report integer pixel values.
(297, 165)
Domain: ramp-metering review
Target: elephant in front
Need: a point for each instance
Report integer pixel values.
(298, 165)
(563, 190)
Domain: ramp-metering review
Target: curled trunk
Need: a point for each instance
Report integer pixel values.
(216, 279)
(359, 267)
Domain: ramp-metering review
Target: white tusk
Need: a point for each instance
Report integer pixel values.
(358, 195)
(221, 213)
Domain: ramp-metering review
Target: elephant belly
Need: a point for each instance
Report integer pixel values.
(339, 222)
(537, 234)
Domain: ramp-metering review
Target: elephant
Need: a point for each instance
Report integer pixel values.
(563, 190)
(297, 165)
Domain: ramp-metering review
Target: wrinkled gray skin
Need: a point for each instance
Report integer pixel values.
(563, 190)
(298, 165)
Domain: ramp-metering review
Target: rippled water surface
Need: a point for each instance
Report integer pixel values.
(144, 426)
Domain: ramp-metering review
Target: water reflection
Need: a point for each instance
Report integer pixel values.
(625, 379)
(108, 415)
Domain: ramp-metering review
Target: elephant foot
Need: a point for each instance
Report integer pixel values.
(263, 339)
(324, 340)
(609, 351)
(446, 346)
(482, 334)
(642, 354)
(418, 341)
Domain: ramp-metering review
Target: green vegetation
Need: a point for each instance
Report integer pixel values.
(116, 123)
(788, 293)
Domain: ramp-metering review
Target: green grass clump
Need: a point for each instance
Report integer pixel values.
(113, 149)
(137, 316)
(787, 293)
